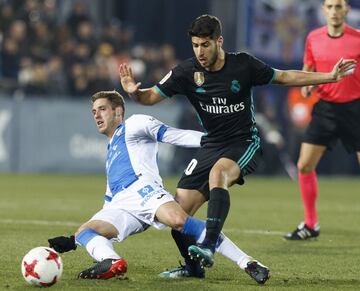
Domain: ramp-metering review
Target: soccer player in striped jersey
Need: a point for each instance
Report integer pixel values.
(337, 113)
(135, 197)
(219, 86)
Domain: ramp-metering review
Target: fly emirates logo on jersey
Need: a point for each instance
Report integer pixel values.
(219, 106)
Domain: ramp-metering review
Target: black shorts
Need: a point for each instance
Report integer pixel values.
(245, 153)
(333, 121)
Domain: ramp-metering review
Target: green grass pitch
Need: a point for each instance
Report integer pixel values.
(36, 207)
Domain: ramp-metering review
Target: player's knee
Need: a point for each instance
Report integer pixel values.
(189, 200)
(186, 203)
(80, 229)
(181, 199)
(304, 168)
(217, 176)
(177, 221)
(101, 228)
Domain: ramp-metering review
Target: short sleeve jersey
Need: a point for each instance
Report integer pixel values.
(223, 99)
(323, 51)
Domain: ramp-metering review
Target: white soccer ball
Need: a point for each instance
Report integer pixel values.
(42, 266)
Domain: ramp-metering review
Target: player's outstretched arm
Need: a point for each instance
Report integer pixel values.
(147, 96)
(302, 78)
(306, 90)
(182, 137)
(343, 68)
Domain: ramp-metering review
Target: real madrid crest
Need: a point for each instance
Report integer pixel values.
(199, 78)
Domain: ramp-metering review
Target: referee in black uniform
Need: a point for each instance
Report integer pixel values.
(219, 86)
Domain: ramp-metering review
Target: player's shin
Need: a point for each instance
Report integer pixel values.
(218, 209)
(193, 227)
(183, 242)
(99, 247)
(196, 228)
(309, 192)
(229, 250)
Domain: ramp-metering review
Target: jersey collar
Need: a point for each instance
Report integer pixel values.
(117, 132)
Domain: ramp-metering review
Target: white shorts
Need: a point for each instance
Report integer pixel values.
(133, 209)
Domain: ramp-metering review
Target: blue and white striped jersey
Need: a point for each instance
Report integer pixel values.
(132, 151)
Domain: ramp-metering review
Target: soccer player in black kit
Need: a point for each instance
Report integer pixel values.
(219, 86)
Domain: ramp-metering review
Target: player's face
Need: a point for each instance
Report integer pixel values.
(206, 50)
(106, 118)
(335, 12)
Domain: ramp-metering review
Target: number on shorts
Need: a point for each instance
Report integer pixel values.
(190, 168)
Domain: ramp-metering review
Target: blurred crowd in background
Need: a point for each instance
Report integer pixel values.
(75, 57)
(47, 50)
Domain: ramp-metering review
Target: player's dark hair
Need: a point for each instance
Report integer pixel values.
(114, 97)
(206, 26)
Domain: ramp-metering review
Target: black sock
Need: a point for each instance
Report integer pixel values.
(183, 242)
(218, 209)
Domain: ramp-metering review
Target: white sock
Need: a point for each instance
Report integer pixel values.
(101, 248)
(229, 250)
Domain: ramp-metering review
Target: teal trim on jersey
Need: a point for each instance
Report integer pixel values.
(200, 90)
(235, 86)
(201, 123)
(272, 78)
(252, 108)
(249, 153)
(255, 145)
(157, 89)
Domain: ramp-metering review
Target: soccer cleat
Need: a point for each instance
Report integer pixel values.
(303, 232)
(105, 269)
(257, 271)
(204, 255)
(187, 271)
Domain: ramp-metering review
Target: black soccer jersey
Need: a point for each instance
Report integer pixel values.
(223, 99)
